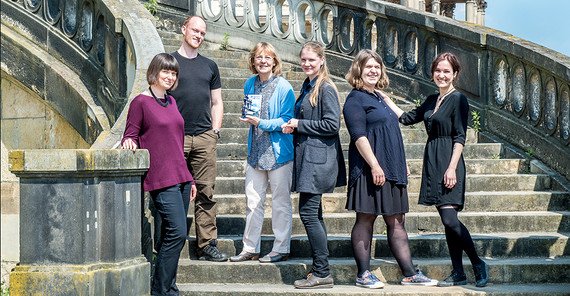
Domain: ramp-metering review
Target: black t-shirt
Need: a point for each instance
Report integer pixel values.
(196, 78)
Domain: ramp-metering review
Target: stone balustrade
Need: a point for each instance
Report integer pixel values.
(521, 89)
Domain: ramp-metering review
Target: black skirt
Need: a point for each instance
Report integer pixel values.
(388, 199)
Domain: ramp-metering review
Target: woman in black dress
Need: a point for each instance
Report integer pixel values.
(443, 176)
(377, 170)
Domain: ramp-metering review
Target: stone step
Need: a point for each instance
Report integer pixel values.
(391, 289)
(426, 222)
(496, 245)
(501, 201)
(507, 182)
(235, 82)
(409, 135)
(489, 152)
(501, 271)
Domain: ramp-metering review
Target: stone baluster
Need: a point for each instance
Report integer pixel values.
(436, 6)
(80, 222)
(481, 12)
(470, 11)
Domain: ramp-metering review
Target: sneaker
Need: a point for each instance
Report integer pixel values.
(312, 281)
(419, 279)
(369, 280)
(481, 274)
(455, 279)
(211, 253)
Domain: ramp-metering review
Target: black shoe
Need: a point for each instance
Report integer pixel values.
(455, 279)
(244, 257)
(481, 274)
(276, 258)
(211, 253)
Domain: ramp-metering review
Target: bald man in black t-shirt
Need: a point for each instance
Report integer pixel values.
(199, 99)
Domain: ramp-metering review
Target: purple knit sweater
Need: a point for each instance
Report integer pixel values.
(160, 130)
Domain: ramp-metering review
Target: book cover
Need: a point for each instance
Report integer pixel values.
(251, 105)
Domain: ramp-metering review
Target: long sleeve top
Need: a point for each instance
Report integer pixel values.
(160, 130)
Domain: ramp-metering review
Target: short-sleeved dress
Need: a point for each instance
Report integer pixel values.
(445, 127)
(367, 115)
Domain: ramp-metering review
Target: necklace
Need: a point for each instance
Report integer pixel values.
(440, 99)
(158, 100)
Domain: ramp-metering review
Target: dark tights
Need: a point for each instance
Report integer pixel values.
(361, 237)
(458, 238)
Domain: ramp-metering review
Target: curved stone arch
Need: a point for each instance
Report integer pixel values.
(411, 50)
(550, 120)
(253, 17)
(499, 81)
(230, 15)
(534, 96)
(347, 31)
(323, 25)
(431, 49)
(52, 12)
(300, 25)
(32, 5)
(564, 121)
(277, 21)
(391, 44)
(99, 46)
(86, 25)
(205, 10)
(367, 28)
(70, 17)
(518, 89)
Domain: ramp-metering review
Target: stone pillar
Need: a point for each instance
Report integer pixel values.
(422, 5)
(481, 12)
(436, 7)
(80, 222)
(470, 11)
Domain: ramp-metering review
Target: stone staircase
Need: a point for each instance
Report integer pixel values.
(519, 217)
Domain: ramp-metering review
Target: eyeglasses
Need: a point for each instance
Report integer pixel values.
(260, 58)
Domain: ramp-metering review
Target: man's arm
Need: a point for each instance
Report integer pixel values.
(217, 108)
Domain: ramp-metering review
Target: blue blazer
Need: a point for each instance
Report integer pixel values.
(281, 105)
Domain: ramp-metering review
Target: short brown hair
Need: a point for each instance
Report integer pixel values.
(268, 49)
(161, 61)
(191, 17)
(354, 75)
(451, 58)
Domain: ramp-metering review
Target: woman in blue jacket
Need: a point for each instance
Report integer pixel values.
(270, 155)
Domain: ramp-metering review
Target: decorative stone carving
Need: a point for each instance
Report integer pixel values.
(500, 82)
(550, 116)
(534, 94)
(518, 87)
(565, 115)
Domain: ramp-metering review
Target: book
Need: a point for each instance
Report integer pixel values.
(251, 105)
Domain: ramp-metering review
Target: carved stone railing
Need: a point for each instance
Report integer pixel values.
(85, 58)
(520, 88)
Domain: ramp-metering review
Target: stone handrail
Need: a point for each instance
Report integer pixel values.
(521, 89)
(103, 48)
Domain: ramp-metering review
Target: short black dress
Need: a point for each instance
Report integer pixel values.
(445, 127)
(367, 115)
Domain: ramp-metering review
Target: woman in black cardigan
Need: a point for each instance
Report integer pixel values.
(318, 164)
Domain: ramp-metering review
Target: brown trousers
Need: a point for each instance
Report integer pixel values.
(200, 154)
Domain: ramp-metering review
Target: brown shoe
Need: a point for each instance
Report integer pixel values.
(244, 256)
(314, 282)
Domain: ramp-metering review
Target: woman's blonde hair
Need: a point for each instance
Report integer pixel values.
(323, 75)
(354, 75)
(269, 50)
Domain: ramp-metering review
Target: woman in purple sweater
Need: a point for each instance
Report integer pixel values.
(154, 123)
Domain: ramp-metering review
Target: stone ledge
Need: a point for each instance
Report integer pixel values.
(37, 161)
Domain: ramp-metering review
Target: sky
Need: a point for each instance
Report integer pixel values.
(545, 22)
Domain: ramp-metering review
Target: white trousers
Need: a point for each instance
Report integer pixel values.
(282, 211)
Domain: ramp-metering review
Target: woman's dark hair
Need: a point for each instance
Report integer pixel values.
(161, 61)
(354, 75)
(451, 58)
